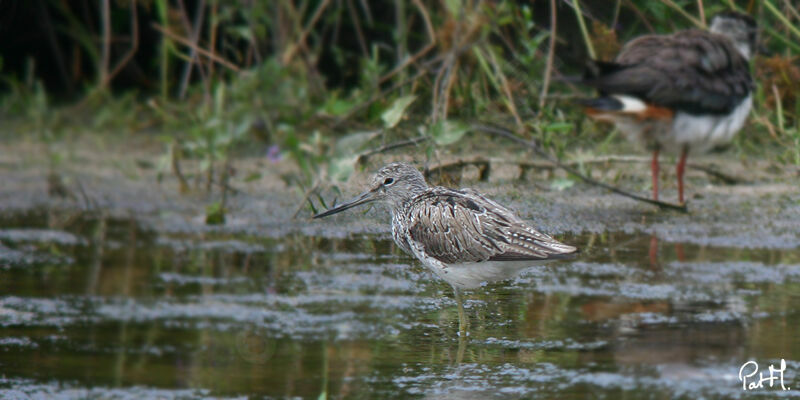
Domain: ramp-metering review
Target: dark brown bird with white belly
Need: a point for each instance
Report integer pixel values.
(690, 91)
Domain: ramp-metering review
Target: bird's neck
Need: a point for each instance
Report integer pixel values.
(399, 206)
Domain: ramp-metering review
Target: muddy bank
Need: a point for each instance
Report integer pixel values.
(122, 179)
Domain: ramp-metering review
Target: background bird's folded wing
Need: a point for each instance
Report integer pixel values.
(464, 226)
(692, 71)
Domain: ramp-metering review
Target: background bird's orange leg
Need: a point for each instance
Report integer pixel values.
(653, 252)
(654, 171)
(679, 171)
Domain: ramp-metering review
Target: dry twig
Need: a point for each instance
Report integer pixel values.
(548, 69)
(134, 46)
(194, 30)
(506, 88)
(210, 54)
(105, 57)
(301, 42)
(524, 165)
(391, 146)
(505, 133)
(431, 44)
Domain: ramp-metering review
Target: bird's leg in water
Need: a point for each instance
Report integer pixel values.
(654, 173)
(679, 171)
(463, 323)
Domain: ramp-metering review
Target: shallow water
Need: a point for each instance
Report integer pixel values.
(94, 307)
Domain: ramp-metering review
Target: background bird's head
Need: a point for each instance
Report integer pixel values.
(740, 28)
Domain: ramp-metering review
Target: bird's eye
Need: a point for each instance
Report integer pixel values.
(388, 181)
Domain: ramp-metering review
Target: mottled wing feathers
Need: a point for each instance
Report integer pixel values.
(463, 226)
(693, 71)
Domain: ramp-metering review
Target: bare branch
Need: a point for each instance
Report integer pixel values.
(200, 50)
(505, 133)
(134, 45)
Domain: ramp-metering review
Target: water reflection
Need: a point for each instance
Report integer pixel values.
(103, 307)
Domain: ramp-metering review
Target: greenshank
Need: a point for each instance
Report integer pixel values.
(462, 236)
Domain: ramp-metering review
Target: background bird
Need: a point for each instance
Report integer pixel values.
(462, 236)
(686, 92)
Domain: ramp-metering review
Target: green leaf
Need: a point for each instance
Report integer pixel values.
(341, 168)
(395, 112)
(253, 176)
(213, 123)
(558, 127)
(345, 154)
(243, 31)
(352, 143)
(215, 214)
(242, 128)
(337, 107)
(219, 99)
(448, 132)
(453, 6)
(561, 184)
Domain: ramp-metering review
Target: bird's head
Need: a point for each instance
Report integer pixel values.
(740, 28)
(395, 183)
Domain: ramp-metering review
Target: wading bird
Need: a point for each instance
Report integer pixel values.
(690, 91)
(462, 236)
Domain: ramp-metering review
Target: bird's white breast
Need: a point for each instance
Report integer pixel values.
(704, 132)
(700, 132)
(476, 274)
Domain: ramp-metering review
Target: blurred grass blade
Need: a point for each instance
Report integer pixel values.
(772, 9)
(576, 5)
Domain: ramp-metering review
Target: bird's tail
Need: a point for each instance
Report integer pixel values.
(602, 104)
(596, 69)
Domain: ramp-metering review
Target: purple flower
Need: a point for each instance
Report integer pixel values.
(274, 153)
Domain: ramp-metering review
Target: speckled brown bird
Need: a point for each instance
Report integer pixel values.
(690, 91)
(461, 235)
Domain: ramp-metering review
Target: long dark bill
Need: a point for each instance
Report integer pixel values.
(365, 197)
